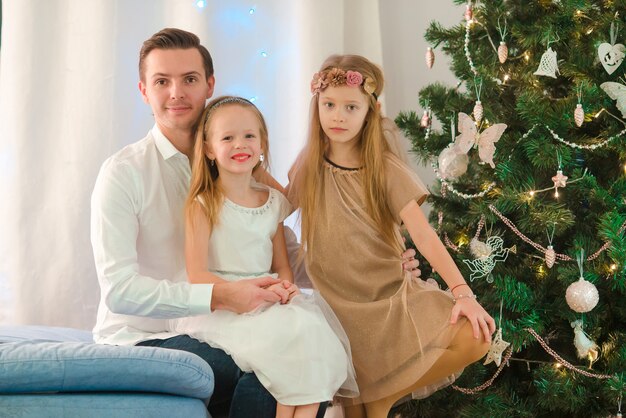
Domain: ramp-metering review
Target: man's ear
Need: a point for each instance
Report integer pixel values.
(142, 90)
(211, 86)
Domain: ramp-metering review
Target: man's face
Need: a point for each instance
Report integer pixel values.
(174, 84)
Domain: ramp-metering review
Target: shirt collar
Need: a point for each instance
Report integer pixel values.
(163, 144)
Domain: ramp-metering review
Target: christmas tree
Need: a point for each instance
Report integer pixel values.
(530, 158)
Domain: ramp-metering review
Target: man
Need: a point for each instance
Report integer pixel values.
(137, 228)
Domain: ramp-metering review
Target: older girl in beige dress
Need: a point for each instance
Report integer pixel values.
(355, 190)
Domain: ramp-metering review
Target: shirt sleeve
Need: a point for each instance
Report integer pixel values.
(115, 205)
(403, 185)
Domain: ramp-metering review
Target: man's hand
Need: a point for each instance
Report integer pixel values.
(244, 295)
(410, 264)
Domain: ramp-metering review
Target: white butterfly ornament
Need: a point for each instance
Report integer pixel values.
(485, 141)
(616, 91)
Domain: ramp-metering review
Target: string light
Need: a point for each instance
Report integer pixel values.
(526, 56)
(200, 4)
(507, 77)
(253, 99)
(252, 10)
(557, 366)
(613, 267)
(264, 54)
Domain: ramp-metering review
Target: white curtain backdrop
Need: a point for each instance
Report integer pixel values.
(69, 99)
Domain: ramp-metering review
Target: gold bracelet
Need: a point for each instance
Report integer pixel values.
(470, 296)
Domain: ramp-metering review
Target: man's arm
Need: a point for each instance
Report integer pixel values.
(115, 207)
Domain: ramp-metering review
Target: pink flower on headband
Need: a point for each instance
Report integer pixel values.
(318, 83)
(353, 78)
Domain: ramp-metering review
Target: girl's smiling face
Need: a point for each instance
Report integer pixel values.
(234, 139)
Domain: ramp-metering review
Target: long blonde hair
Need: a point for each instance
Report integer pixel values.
(205, 191)
(307, 173)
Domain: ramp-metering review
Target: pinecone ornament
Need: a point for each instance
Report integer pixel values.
(579, 115)
(425, 121)
(430, 57)
(550, 256)
(503, 52)
(478, 111)
(469, 13)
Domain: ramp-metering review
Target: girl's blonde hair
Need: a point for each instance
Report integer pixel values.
(205, 192)
(307, 173)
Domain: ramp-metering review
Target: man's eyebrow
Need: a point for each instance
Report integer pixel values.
(168, 75)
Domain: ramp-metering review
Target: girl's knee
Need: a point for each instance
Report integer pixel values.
(475, 348)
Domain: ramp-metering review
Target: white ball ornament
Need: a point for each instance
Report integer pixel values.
(452, 164)
(582, 296)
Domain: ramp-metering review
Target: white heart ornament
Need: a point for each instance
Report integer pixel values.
(611, 56)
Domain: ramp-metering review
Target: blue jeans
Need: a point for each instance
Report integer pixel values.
(237, 394)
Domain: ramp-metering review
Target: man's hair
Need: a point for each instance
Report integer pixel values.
(173, 38)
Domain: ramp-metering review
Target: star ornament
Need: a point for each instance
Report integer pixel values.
(498, 345)
(559, 180)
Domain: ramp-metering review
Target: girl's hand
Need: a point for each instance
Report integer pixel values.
(292, 289)
(285, 290)
(476, 314)
(410, 264)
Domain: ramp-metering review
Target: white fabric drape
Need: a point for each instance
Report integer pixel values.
(69, 99)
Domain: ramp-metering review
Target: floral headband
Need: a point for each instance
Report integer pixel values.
(337, 77)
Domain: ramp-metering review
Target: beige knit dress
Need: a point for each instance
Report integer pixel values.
(397, 327)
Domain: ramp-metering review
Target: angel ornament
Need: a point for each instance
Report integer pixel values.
(485, 141)
(487, 255)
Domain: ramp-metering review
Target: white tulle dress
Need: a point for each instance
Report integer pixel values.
(299, 350)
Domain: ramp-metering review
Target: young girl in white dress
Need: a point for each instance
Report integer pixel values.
(234, 231)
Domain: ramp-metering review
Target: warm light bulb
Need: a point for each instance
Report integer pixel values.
(526, 56)
(613, 267)
(589, 31)
(556, 193)
(532, 193)
(507, 77)
(579, 12)
(557, 365)
(624, 168)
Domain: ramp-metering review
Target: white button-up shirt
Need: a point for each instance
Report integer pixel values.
(137, 234)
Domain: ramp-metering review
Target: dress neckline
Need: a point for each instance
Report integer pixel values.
(255, 210)
(340, 167)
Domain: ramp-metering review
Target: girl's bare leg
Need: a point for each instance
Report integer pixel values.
(307, 411)
(284, 411)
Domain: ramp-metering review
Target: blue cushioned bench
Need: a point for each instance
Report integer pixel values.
(59, 372)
